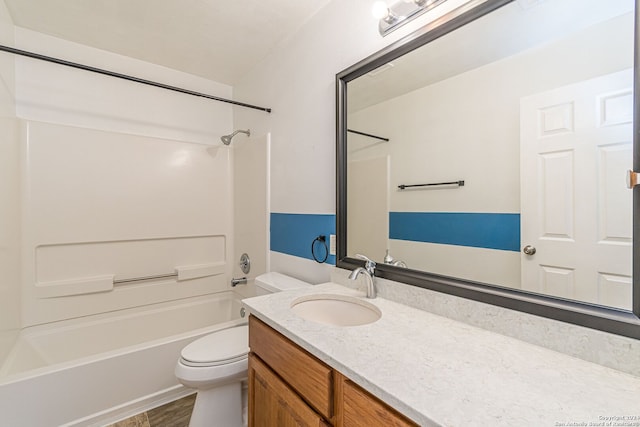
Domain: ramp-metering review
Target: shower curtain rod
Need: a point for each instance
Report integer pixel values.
(126, 77)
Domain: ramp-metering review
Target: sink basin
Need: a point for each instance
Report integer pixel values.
(335, 310)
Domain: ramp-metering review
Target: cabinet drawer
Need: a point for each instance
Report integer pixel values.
(310, 378)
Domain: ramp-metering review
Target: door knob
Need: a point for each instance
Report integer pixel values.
(529, 250)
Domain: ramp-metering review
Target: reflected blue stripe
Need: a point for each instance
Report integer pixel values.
(481, 230)
(292, 234)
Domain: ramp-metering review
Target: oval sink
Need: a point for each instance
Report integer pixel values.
(335, 310)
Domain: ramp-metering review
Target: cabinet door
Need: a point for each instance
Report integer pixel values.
(305, 374)
(273, 404)
(357, 408)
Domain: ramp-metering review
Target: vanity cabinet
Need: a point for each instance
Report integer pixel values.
(290, 387)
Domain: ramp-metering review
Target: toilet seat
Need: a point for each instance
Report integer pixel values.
(219, 348)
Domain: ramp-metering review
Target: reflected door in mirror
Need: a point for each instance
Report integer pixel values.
(576, 144)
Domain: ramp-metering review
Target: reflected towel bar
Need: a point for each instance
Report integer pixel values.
(458, 183)
(138, 279)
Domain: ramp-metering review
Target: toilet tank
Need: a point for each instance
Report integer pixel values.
(271, 282)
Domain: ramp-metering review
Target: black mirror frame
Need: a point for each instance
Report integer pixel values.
(606, 319)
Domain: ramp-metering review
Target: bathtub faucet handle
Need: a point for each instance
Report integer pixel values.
(240, 281)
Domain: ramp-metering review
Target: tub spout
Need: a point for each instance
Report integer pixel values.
(240, 281)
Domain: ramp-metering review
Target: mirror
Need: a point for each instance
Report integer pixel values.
(487, 155)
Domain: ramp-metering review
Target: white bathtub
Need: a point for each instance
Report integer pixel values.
(99, 369)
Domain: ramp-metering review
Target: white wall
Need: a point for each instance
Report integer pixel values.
(9, 195)
(297, 80)
(119, 179)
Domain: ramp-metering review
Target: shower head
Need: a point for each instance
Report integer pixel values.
(226, 139)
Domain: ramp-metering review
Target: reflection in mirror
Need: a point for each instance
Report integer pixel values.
(531, 106)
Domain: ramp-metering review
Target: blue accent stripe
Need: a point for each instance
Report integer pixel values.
(481, 230)
(293, 234)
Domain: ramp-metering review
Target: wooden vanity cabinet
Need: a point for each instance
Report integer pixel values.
(290, 387)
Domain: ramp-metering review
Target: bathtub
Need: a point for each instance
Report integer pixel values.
(96, 370)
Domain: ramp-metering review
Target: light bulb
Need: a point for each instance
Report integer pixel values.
(420, 3)
(380, 10)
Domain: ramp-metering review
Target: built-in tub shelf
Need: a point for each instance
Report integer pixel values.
(106, 283)
(85, 268)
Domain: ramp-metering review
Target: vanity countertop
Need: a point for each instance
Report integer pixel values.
(439, 371)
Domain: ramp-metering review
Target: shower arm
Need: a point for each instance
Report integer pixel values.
(226, 139)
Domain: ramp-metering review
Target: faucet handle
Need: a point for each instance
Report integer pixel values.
(369, 264)
(363, 257)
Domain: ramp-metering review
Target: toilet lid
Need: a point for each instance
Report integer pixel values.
(225, 346)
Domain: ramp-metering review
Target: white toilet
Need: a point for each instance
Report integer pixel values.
(216, 365)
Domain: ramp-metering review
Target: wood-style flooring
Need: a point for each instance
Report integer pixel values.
(173, 414)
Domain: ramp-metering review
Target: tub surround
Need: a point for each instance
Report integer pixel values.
(439, 371)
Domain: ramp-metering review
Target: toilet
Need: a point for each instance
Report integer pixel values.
(216, 365)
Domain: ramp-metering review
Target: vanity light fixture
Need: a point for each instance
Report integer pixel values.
(399, 13)
(381, 11)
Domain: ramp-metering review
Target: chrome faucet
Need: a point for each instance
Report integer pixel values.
(369, 271)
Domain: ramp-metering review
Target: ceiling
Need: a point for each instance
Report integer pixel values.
(216, 39)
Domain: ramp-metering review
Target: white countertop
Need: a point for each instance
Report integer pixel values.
(439, 371)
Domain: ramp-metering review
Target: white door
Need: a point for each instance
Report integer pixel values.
(576, 146)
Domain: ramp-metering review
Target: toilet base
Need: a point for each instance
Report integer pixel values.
(218, 407)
